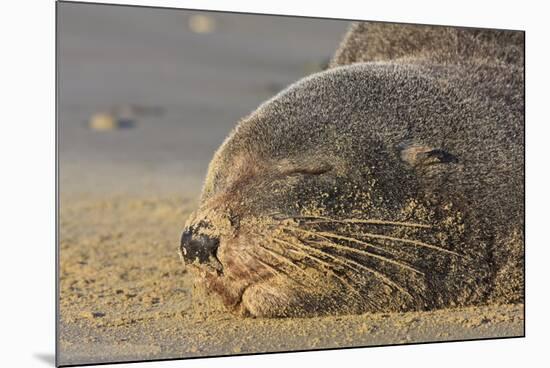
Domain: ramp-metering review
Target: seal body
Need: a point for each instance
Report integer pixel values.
(393, 181)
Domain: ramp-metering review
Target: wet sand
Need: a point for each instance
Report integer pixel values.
(125, 193)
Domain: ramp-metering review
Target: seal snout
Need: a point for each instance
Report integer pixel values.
(200, 248)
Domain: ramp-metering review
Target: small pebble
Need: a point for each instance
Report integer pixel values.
(103, 122)
(202, 24)
(237, 349)
(193, 349)
(91, 315)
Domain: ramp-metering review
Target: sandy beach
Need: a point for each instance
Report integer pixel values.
(125, 193)
(125, 295)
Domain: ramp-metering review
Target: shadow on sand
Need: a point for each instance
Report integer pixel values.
(46, 358)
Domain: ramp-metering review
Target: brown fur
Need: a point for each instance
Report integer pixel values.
(392, 181)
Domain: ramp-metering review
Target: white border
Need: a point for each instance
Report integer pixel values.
(507, 14)
(27, 152)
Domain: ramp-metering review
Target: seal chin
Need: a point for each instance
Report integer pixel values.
(231, 291)
(212, 267)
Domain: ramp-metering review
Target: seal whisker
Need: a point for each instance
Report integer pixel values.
(347, 262)
(373, 255)
(370, 254)
(281, 257)
(272, 268)
(328, 266)
(322, 220)
(377, 236)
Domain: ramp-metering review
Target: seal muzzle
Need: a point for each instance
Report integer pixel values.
(200, 248)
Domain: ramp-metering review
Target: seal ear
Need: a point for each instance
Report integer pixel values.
(420, 155)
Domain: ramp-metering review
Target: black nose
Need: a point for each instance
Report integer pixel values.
(198, 247)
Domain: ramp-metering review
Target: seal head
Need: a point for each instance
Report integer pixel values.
(374, 186)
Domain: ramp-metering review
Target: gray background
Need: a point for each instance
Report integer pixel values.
(192, 87)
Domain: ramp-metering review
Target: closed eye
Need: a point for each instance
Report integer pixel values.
(318, 170)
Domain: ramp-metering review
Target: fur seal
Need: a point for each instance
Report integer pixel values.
(392, 181)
